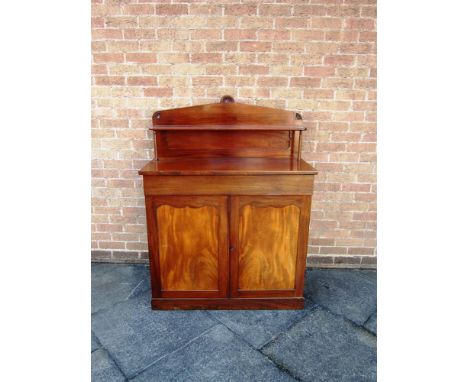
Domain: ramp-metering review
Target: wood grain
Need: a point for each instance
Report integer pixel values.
(207, 143)
(237, 114)
(268, 247)
(229, 185)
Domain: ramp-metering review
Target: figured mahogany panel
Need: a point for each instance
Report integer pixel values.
(192, 245)
(267, 247)
(188, 247)
(268, 242)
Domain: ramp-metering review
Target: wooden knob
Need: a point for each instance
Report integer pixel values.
(227, 99)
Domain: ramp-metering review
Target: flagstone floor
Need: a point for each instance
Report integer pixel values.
(332, 339)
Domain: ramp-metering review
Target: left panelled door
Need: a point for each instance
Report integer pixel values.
(188, 244)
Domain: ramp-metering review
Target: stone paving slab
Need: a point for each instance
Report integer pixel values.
(217, 355)
(137, 336)
(371, 323)
(350, 293)
(112, 283)
(258, 327)
(103, 368)
(318, 343)
(325, 347)
(95, 344)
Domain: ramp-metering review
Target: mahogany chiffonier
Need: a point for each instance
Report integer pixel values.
(228, 201)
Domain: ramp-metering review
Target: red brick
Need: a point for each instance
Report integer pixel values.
(100, 34)
(307, 35)
(108, 57)
(361, 251)
(240, 10)
(309, 10)
(109, 80)
(171, 9)
(271, 34)
(325, 22)
(253, 69)
(97, 22)
(305, 82)
(339, 60)
(255, 46)
(344, 10)
(141, 57)
(207, 81)
(206, 57)
(240, 34)
(319, 71)
(356, 48)
(136, 34)
(206, 34)
(158, 92)
(272, 81)
(108, 227)
(360, 23)
(291, 22)
(275, 10)
(340, 36)
(205, 9)
(142, 80)
(221, 46)
(368, 36)
(138, 9)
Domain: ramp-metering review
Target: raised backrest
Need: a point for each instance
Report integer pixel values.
(227, 129)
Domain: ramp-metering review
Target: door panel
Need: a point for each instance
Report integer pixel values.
(267, 245)
(188, 247)
(191, 245)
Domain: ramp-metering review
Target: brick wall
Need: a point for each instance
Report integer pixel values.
(316, 57)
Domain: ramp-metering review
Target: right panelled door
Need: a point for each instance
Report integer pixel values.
(268, 245)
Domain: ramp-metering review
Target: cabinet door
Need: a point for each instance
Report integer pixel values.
(188, 245)
(268, 245)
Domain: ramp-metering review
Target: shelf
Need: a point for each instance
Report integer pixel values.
(228, 166)
(229, 127)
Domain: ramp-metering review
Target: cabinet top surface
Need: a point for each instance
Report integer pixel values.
(228, 166)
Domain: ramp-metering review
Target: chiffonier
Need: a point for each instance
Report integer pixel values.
(228, 202)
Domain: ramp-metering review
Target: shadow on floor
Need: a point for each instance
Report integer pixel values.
(332, 339)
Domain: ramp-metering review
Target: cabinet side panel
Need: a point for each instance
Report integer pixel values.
(188, 247)
(268, 237)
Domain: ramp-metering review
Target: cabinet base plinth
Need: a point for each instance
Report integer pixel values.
(227, 303)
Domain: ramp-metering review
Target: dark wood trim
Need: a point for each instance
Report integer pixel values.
(153, 246)
(229, 127)
(302, 245)
(228, 303)
(228, 166)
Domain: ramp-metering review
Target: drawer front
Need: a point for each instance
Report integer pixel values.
(229, 185)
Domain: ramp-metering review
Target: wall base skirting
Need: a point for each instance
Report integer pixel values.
(313, 261)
